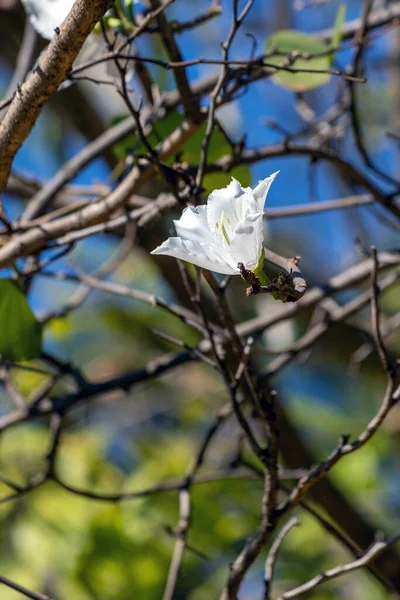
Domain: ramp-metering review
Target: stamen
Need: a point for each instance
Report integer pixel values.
(224, 230)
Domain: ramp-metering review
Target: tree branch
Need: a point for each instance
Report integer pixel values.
(51, 71)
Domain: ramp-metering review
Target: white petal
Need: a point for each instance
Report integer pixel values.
(261, 190)
(247, 243)
(196, 252)
(227, 206)
(46, 15)
(193, 224)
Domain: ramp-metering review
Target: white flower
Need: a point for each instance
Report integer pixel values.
(226, 231)
(46, 15)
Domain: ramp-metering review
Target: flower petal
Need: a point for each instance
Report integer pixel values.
(247, 243)
(197, 252)
(226, 207)
(261, 190)
(193, 224)
(46, 15)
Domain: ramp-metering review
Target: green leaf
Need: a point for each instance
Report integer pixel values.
(21, 334)
(338, 28)
(338, 25)
(162, 129)
(287, 41)
(190, 151)
(219, 146)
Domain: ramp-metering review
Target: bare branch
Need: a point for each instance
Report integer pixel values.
(45, 79)
(22, 590)
(273, 554)
(371, 554)
(189, 101)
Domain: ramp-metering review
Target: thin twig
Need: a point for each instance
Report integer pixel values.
(22, 589)
(236, 22)
(370, 555)
(273, 554)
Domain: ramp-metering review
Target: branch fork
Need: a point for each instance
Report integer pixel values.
(289, 286)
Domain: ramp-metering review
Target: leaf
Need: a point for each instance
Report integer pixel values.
(287, 41)
(338, 28)
(162, 129)
(21, 334)
(190, 151)
(219, 146)
(338, 25)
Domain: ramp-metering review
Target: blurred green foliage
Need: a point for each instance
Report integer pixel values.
(21, 334)
(75, 547)
(220, 145)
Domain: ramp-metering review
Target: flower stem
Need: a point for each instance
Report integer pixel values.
(263, 279)
(259, 271)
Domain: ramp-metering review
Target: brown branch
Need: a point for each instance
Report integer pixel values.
(298, 210)
(231, 383)
(392, 394)
(190, 101)
(265, 405)
(337, 315)
(236, 22)
(273, 554)
(376, 18)
(22, 589)
(173, 485)
(36, 238)
(185, 315)
(285, 149)
(15, 395)
(252, 64)
(348, 278)
(106, 269)
(370, 555)
(51, 71)
(389, 369)
(355, 121)
(180, 532)
(289, 287)
(246, 557)
(341, 536)
(88, 391)
(389, 327)
(390, 397)
(185, 505)
(104, 142)
(178, 27)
